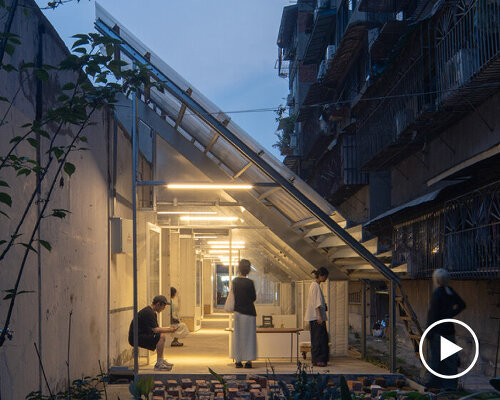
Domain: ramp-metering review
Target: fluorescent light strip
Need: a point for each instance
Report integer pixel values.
(220, 251)
(205, 237)
(187, 212)
(201, 218)
(235, 242)
(214, 246)
(208, 186)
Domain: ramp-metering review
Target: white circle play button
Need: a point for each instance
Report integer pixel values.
(448, 348)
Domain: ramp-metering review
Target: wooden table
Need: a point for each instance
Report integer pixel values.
(291, 331)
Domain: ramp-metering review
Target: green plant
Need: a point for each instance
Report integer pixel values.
(85, 388)
(91, 78)
(221, 381)
(286, 127)
(141, 386)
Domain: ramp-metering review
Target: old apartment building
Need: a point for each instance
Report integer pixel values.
(394, 118)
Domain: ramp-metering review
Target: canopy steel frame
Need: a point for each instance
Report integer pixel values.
(221, 129)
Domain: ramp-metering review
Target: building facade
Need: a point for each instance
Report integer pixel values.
(399, 129)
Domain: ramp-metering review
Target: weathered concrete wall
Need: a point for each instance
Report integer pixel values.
(73, 276)
(121, 265)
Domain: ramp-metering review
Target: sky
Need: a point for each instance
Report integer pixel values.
(224, 48)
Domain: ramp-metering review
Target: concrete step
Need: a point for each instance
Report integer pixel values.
(215, 323)
(217, 315)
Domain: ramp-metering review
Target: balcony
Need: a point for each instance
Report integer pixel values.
(383, 44)
(467, 57)
(388, 135)
(338, 175)
(352, 27)
(383, 6)
(324, 24)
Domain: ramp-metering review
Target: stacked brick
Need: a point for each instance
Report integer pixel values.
(256, 387)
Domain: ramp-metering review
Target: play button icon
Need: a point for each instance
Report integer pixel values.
(448, 348)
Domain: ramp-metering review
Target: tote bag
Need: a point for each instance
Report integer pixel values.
(229, 305)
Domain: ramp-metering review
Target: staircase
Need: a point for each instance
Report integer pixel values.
(215, 321)
(345, 258)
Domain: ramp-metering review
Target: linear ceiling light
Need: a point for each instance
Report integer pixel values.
(209, 186)
(205, 237)
(208, 218)
(220, 251)
(222, 248)
(187, 212)
(235, 242)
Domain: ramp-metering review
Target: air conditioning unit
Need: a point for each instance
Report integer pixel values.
(322, 71)
(330, 52)
(290, 100)
(322, 4)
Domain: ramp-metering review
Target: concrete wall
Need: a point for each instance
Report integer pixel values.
(73, 276)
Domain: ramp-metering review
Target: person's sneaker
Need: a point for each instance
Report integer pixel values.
(238, 364)
(248, 364)
(176, 343)
(163, 365)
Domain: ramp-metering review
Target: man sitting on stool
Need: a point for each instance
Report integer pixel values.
(152, 336)
(182, 329)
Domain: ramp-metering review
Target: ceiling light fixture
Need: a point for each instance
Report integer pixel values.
(187, 212)
(208, 218)
(234, 242)
(216, 246)
(209, 186)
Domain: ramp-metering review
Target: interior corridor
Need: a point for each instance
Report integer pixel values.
(208, 347)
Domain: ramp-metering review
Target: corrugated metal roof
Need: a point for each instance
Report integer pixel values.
(288, 213)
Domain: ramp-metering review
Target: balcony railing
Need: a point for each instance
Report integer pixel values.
(463, 237)
(467, 48)
(472, 233)
(389, 127)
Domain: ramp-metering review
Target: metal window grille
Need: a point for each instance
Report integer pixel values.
(463, 237)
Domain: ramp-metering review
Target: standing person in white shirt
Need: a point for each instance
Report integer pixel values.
(316, 315)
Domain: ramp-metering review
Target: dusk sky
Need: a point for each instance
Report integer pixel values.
(225, 48)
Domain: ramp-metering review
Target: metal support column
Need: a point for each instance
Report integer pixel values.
(392, 326)
(363, 319)
(134, 230)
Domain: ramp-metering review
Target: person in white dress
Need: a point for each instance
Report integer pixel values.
(316, 315)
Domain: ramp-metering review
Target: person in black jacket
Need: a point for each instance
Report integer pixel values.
(151, 336)
(445, 303)
(244, 343)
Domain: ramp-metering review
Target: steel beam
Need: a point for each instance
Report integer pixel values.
(363, 319)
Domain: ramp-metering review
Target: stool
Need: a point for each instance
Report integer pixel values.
(304, 348)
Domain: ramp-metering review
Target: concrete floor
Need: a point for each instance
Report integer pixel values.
(209, 348)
